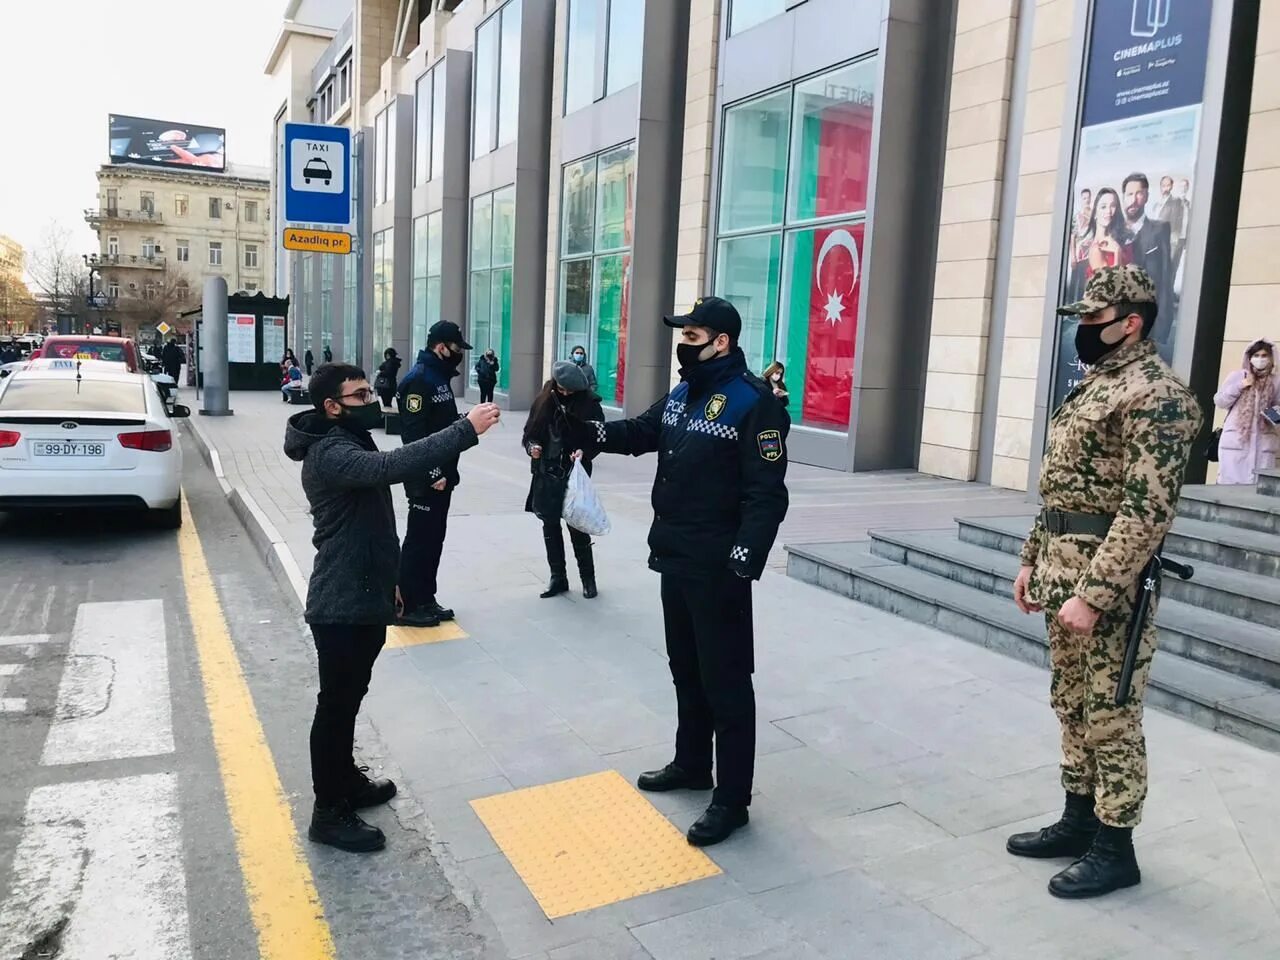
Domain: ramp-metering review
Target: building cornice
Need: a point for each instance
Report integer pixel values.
(290, 29)
(128, 171)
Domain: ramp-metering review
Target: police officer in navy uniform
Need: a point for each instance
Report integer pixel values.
(718, 498)
(427, 405)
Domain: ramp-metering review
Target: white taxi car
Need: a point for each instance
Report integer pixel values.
(81, 434)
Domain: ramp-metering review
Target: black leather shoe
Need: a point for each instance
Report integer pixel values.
(421, 617)
(340, 826)
(442, 613)
(557, 586)
(1109, 865)
(672, 777)
(717, 824)
(1072, 836)
(370, 793)
(589, 590)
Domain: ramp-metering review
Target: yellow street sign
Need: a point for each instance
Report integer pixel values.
(319, 241)
(163, 328)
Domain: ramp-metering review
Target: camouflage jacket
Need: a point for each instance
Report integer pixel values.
(1118, 445)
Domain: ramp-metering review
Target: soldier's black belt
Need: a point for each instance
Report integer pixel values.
(1064, 522)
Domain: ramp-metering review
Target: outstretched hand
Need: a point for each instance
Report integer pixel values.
(483, 416)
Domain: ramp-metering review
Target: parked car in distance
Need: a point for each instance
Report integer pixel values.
(111, 349)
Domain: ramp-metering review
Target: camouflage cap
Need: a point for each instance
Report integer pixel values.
(1124, 284)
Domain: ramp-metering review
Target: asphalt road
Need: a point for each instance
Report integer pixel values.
(113, 803)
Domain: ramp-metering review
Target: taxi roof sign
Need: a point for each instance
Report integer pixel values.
(318, 241)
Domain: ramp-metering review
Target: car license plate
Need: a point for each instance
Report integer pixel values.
(57, 448)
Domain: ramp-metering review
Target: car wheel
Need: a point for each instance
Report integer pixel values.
(168, 518)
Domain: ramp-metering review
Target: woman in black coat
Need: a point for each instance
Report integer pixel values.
(388, 376)
(551, 460)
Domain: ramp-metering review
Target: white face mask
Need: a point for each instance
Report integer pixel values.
(776, 378)
(1259, 363)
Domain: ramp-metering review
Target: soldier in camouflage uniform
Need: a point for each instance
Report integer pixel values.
(1110, 482)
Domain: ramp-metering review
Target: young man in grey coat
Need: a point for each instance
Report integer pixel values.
(352, 595)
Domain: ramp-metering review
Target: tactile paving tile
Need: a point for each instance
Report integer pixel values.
(590, 841)
(413, 636)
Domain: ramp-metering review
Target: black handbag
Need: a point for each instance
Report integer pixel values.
(1214, 438)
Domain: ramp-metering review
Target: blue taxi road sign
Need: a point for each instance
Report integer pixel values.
(317, 168)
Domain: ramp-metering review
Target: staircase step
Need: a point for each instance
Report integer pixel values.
(1201, 693)
(1269, 483)
(1232, 505)
(1239, 647)
(1240, 549)
(1228, 591)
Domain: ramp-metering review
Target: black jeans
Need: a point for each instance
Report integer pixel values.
(423, 544)
(710, 646)
(346, 653)
(486, 392)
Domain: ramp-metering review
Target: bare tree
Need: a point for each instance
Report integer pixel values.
(57, 272)
(159, 297)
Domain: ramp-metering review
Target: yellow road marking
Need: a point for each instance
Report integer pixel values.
(282, 895)
(413, 636)
(590, 841)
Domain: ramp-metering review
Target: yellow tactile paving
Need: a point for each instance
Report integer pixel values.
(590, 841)
(413, 636)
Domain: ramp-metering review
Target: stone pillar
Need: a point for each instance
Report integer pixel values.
(213, 347)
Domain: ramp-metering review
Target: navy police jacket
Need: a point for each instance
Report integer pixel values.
(720, 493)
(427, 405)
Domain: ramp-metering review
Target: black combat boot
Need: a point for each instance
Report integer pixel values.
(672, 777)
(340, 826)
(366, 792)
(1109, 865)
(1069, 837)
(555, 560)
(418, 617)
(717, 824)
(441, 613)
(586, 565)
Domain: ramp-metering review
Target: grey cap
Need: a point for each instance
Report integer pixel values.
(568, 376)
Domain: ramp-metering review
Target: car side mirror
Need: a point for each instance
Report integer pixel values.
(180, 412)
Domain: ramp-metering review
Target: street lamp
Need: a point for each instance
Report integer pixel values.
(95, 301)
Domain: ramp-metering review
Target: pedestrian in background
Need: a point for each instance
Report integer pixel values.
(1110, 482)
(773, 375)
(292, 381)
(171, 360)
(289, 357)
(309, 360)
(1250, 396)
(388, 375)
(351, 597)
(427, 405)
(579, 356)
(487, 375)
(328, 354)
(719, 496)
(552, 455)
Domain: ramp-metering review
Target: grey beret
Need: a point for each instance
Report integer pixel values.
(569, 376)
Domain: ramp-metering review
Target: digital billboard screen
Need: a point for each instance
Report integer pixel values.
(159, 142)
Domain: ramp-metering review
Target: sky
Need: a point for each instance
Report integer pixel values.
(66, 64)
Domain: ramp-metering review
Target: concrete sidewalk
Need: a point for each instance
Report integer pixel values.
(893, 759)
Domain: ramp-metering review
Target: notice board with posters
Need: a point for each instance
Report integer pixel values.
(257, 330)
(1134, 177)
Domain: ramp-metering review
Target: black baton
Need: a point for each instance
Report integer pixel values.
(1148, 584)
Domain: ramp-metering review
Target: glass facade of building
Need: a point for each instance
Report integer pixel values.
(793, 200)
(496, 85)
(493, 217)
(615, 40)
(351, 351)
(597, 220)
(426, 278)
(383, 288)
(744, 14)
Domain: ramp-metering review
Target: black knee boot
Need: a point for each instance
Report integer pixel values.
(554, 540)
(586, 563)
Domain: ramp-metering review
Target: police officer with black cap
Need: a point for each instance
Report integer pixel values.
(427, 405)
(718, 498)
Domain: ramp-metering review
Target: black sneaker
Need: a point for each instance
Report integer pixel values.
(672, 777)
(421, 617)
(717, 824)
(443, 613)
(340, 826)
(370, 793)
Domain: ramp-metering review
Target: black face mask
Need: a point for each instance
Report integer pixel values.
(364, 417)
(691, 354)
(1090, 347)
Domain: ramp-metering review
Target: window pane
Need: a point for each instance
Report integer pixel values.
(418, 332)
(421, 247)
(433, 302)
(580, 66)
(437, 122)
(821, 288)
(80, 396)
(747, 271)
(481, 231)
(391, 151)
(575, 307)
(578, 207)
(509, 74)
(615, 210)
(626, 28)
(500, 321)
(504, 226)
(483, 87)
(747, 13)
(754, 169)
(422, 130)
(831, 153)
(612, 289)
(380, 158)
(433, 243)
(478, 334)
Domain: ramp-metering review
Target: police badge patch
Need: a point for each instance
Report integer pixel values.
(770, 444)
(715, 406)
(413, 403)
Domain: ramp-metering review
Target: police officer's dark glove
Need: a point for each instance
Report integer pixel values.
(739, 562)
(585, 435)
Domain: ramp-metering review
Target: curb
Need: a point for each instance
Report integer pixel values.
(263, 534)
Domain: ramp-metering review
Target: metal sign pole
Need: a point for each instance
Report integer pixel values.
(216, 371)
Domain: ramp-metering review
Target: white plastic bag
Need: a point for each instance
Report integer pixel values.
(582, 508)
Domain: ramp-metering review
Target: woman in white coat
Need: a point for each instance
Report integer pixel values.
(1249, 439)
